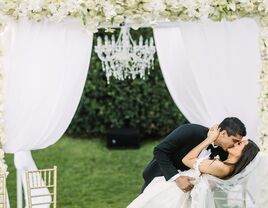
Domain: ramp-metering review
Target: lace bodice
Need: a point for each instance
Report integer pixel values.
(195, 173)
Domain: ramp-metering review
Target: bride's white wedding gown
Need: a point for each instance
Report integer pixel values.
(163, 194)
(166, 194)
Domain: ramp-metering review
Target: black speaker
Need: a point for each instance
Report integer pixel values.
(123, 138)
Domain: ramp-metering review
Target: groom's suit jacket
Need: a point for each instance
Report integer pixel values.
(168, 154)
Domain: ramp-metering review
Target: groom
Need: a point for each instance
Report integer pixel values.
(169, 153)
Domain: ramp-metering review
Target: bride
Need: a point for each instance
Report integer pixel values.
(166, 194)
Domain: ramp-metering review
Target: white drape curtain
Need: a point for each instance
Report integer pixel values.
(211, 70)
(46, 67)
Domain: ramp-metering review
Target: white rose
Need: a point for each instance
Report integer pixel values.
(109, 11)
(265, 4)
(2, 154)
(131, 3)
(189, 4)
(35, 5)
(205, 8)
(174, 3)
(118, 19)
(52, 8)
(73, 5)
(23, 8)
(232, 6)
(249, 7)
(154, 5)
(3, 167)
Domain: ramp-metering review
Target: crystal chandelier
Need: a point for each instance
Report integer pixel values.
(125, 58)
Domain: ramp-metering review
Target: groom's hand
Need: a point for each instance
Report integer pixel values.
(213, 133)
(184, 183)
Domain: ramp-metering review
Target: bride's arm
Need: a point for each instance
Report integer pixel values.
(190, 158)
(212, 167)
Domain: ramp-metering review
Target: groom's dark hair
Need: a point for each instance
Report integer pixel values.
(233, 126)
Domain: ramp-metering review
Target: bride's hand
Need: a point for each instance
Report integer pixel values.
(213, 133)
(184, 183)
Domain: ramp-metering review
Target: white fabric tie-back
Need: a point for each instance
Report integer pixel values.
(212, 69)
(46, 68)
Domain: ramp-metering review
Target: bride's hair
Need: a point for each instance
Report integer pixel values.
(248, 154)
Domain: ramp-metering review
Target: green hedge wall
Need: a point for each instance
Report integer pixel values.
(143, 104)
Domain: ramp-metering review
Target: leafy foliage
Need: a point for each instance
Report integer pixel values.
(143, 104)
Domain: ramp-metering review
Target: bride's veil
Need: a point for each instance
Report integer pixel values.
(252, 181)
(257, 185)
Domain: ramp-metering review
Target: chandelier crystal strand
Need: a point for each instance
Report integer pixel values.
(125, 58)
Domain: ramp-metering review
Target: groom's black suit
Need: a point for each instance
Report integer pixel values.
(169, 153)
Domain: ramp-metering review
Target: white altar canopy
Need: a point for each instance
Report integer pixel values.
(47, 62)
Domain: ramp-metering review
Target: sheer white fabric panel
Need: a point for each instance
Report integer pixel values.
(46, 66)
(211, 70)
(23, 161)
(46, 69)
(178, 75)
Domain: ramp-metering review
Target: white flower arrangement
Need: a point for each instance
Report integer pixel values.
(3, 166)
(97, 12)
(263, 98)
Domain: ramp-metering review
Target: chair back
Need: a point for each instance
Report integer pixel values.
(3, 194)
(233, 198)
(42, 187)
(233, 192)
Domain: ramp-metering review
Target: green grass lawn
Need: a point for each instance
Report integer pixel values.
(90, 175)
